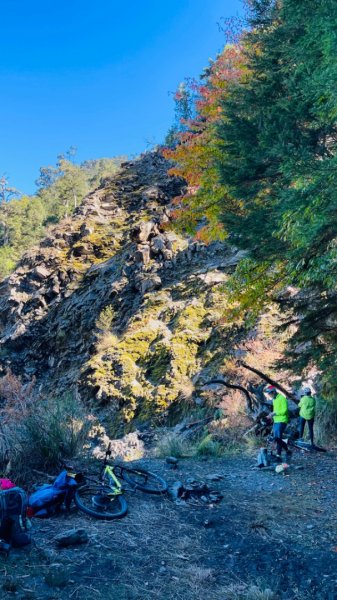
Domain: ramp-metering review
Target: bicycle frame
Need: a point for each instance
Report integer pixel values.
(109, 476)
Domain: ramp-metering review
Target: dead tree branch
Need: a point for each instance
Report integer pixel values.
(249, 400)
(270, 381)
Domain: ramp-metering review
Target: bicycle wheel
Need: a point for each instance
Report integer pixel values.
(144, 480)
(97, 500)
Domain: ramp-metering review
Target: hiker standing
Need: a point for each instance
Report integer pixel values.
(280, 418)
(307, 414)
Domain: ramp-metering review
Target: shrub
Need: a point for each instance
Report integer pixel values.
(208, 446)
(173, 445)
(105, 319)
(326, 421)
(38, 432)
(53, 430)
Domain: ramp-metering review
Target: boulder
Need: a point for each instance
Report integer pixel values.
(73, 537)
(151, 193)
(85, 230)
(143, 231)
(149, 284)
(158, 244)
(41, 272)
(142, 254)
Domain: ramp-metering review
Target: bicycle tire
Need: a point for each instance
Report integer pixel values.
(144, 480)
(93, 499)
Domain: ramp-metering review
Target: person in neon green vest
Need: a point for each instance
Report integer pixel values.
(307, 413)
(280, 416)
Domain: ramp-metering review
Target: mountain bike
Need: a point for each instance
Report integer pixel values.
(103, 498)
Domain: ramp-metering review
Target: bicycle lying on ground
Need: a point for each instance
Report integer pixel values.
(103, 498)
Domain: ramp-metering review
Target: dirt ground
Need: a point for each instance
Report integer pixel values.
(271, 537)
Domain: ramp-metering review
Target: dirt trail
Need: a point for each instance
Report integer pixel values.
(272, 531)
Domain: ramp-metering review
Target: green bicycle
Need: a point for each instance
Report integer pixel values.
(103, 498)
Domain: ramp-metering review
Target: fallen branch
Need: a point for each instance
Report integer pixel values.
(200, 422)
(44, 475)
(249, 400)
(250, 430)
(270, 381)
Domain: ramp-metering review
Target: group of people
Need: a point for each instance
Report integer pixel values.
(280, 416)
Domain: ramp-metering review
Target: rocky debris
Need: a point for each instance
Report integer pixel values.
(194, 492)
(41, 272)
(129, 447)
(158, 244)
(142, 232)
(147, 283)
(114, 253)
(73, 537)
(172, 460)
(142, 255)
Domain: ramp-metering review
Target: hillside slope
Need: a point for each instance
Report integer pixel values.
(117, 305)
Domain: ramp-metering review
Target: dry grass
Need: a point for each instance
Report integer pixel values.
(243, 591)
(37, 432)
(174, 445)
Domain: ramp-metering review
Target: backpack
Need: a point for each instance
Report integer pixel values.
(13, 517)
(49, 499)
(6, 484)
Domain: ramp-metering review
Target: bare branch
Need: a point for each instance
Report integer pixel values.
(270, 381)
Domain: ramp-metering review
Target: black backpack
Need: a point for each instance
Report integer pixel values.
(13, 517)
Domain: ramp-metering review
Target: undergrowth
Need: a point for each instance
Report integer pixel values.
(325, 421)
(174, 445)
(37, 432)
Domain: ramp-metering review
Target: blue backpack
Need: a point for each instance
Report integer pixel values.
(49, 499)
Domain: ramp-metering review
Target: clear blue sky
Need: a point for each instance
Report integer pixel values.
(96, 75)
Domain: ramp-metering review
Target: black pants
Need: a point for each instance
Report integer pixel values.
(278, 431)
(301, 426)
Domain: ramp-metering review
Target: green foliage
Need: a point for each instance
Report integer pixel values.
(55, 428)
(38, 432)
(22, 224)
(278, 161)
(24, 221)
(208, 446)
(105, 319)
(174, 445)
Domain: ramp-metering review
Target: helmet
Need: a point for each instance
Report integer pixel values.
(306, 391)
(270, 388)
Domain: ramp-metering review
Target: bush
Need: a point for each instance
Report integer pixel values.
(36, 432)
(173, 445)
(208, 446)
(55, 429)
(326, 421)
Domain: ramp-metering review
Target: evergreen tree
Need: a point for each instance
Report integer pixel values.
(278, 161)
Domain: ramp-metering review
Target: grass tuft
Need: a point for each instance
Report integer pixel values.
(174, 445)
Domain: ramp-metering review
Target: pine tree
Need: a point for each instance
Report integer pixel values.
(278, 160)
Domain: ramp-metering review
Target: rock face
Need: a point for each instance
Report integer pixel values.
(117, 304)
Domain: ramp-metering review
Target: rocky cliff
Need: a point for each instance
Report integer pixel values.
(115, 303)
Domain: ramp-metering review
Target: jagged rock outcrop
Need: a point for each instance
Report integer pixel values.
(116, 303)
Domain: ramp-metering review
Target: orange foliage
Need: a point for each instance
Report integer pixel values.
(197, 148)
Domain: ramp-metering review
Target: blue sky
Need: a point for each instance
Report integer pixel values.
(96, 75)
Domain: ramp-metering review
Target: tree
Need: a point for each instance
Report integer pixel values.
(6, 191)
(197, 147)
(278, 139)
(24, 221)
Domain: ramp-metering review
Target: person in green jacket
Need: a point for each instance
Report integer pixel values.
(280, 418)
(307, 414)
